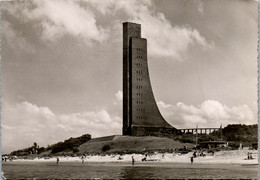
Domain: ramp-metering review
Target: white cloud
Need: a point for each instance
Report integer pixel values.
(200, 6)
(62, 16)
(80, 19)
(58, 18)
(164, 39)
(25, 123)
(119, 96)
(208, 114)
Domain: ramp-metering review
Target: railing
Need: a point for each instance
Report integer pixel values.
(199, 130)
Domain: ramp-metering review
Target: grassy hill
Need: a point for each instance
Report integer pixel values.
(130, 144)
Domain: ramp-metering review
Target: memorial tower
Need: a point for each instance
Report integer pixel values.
(141, 116)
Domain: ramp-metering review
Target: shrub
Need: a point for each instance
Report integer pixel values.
(234, 145)
(60, 146)
(105, 148)
(75, 150)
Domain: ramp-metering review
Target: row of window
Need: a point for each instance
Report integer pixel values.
(140, 57)
(139, 79)
(140, 110)
(139, 72)
(139, 94)
(139, 87)
(139, 64)
(139, 102)
(139, 49)
(141, 117)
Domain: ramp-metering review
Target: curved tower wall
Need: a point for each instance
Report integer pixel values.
(141, 115)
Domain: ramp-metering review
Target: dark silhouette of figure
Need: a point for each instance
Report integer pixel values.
(133, 161)
(191, 160)
(144, 159)
(58, 161)
(194, 154)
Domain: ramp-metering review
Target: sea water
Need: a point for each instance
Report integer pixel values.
(125, 170)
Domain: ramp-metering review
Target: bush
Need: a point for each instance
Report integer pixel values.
(84, 138)
(41, 149)
(60, 146)
(105, 148)
(234, 145)
(75, 150)
(70, 144)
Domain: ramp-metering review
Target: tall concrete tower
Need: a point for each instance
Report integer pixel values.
(141, 115)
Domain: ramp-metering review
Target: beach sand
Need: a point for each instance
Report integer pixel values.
(220, 157)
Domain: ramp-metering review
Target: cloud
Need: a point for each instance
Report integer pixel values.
(58, 18)
(25, 123)
(68, 17)
(83, 20)
(119, 96)
(209, 113)
(14, 38)
(164, 39)
(200, 6)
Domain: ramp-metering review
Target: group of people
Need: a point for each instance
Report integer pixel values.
(194, 155)
(249, 155)
(5, 158)
(82, 160)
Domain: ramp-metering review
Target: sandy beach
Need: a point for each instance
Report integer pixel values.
(220, 157)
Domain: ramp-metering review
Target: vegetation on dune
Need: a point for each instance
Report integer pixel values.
(34, 149)
(70, 144)
(243, 133)
(234, 134)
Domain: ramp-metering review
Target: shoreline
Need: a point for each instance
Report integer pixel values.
(221, 157)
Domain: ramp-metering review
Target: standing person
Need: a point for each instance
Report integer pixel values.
(58, 161)
(191, 160)
(82, 159)
(133, 161)
(194, 154)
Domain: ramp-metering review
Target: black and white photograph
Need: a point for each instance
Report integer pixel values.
(129, 89)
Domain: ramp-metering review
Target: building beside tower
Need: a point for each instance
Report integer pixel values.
(141, 116)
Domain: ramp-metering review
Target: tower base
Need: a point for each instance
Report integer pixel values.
(154, 131)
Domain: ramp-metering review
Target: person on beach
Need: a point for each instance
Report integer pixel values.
(144, 159)
(58, 161)
(133, 161)
(194, 154)
(191, 160)
(82, 159)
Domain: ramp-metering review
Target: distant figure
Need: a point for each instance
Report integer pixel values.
(249, 155)
(133, 161)
(194, 154)
(119, 158)
(191, 160)
(58, 161)
(202, 154)
(82, 159)
(144, 159)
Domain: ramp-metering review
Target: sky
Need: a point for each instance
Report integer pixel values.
(61, 68)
